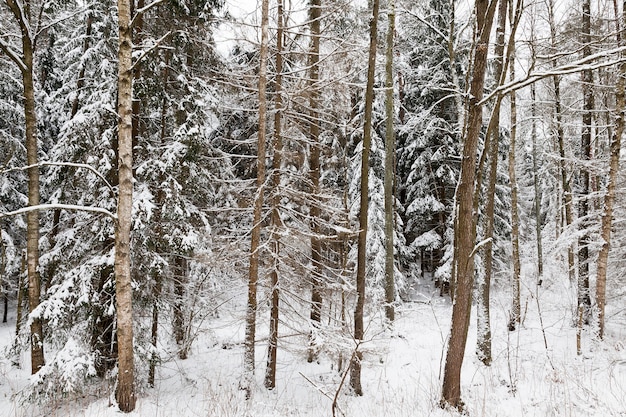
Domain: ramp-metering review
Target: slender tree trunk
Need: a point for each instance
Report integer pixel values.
(270, 374)
(315, 14)
(609, 198)
(558, 114)
(21, 13)
(180, 325)
(253, 275)
(355, 371)
(125, 394)
(484, 285)
(390, 150)
(154, 333)
(516, 305)
(533, 134)
(584, 298)
(465, 233)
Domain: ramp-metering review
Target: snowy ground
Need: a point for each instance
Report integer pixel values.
(401, 374)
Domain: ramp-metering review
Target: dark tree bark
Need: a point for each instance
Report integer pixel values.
(390, 150)
(465, 232)
(253, 273)
(315, 14)
(355, 371)
(270, 373)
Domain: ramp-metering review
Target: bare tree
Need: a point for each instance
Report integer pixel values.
(464, 230)
(609, 198)
(22, 15)
(359, 331)
(253, 274)
(125, 393)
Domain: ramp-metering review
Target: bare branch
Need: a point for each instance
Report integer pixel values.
(13, 55)
(72, 207)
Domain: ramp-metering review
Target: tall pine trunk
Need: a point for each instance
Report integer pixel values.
(465, 232)
(125, 393)
(359, 331)
(537, 187)
(272, 348)
(255, 239)
(315, 14)
(390, 150)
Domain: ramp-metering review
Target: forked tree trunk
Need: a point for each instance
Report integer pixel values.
(390, 150)
(255, 239)
(315, 14)
(355, 370)
(272, 348)
(465, 233)
(125, 393)
(609, 199)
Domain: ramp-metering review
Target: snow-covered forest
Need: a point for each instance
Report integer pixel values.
(312, 208)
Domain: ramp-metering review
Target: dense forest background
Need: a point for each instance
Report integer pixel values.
(312, 166)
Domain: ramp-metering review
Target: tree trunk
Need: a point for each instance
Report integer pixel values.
(484, 285)
(390, 150)
(558, 114)
(154, 334)
(355, 370)
(270, 374)
(465, 233)
(253, 275)
(516, 305)
(609, 198)
(533, 134)
(315, 14)
(180, 325)
(125, 394)
(584, 298)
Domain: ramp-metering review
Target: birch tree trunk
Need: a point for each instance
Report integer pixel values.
(125, 393)
(609, 198)
(355, 370)
(465, 233)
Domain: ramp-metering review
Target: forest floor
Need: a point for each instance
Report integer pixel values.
(402, 370)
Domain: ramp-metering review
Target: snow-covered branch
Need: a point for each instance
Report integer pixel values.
(61, 207)
(12, 54)
(152, 48)
(144, 9)
(67, 164)
(586, 63)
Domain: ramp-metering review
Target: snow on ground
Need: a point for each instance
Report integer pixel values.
(401, 373)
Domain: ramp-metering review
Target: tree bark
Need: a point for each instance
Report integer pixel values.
(533, 135)
(355, 370)
(315, 14)
(609, 198)
(125, 394)
(22, 17)
(270, 373)
(390, 149)
(484, 285)
(253, 273)
(584, 298)
(516, 305)
(465, 233)
(558, 114)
